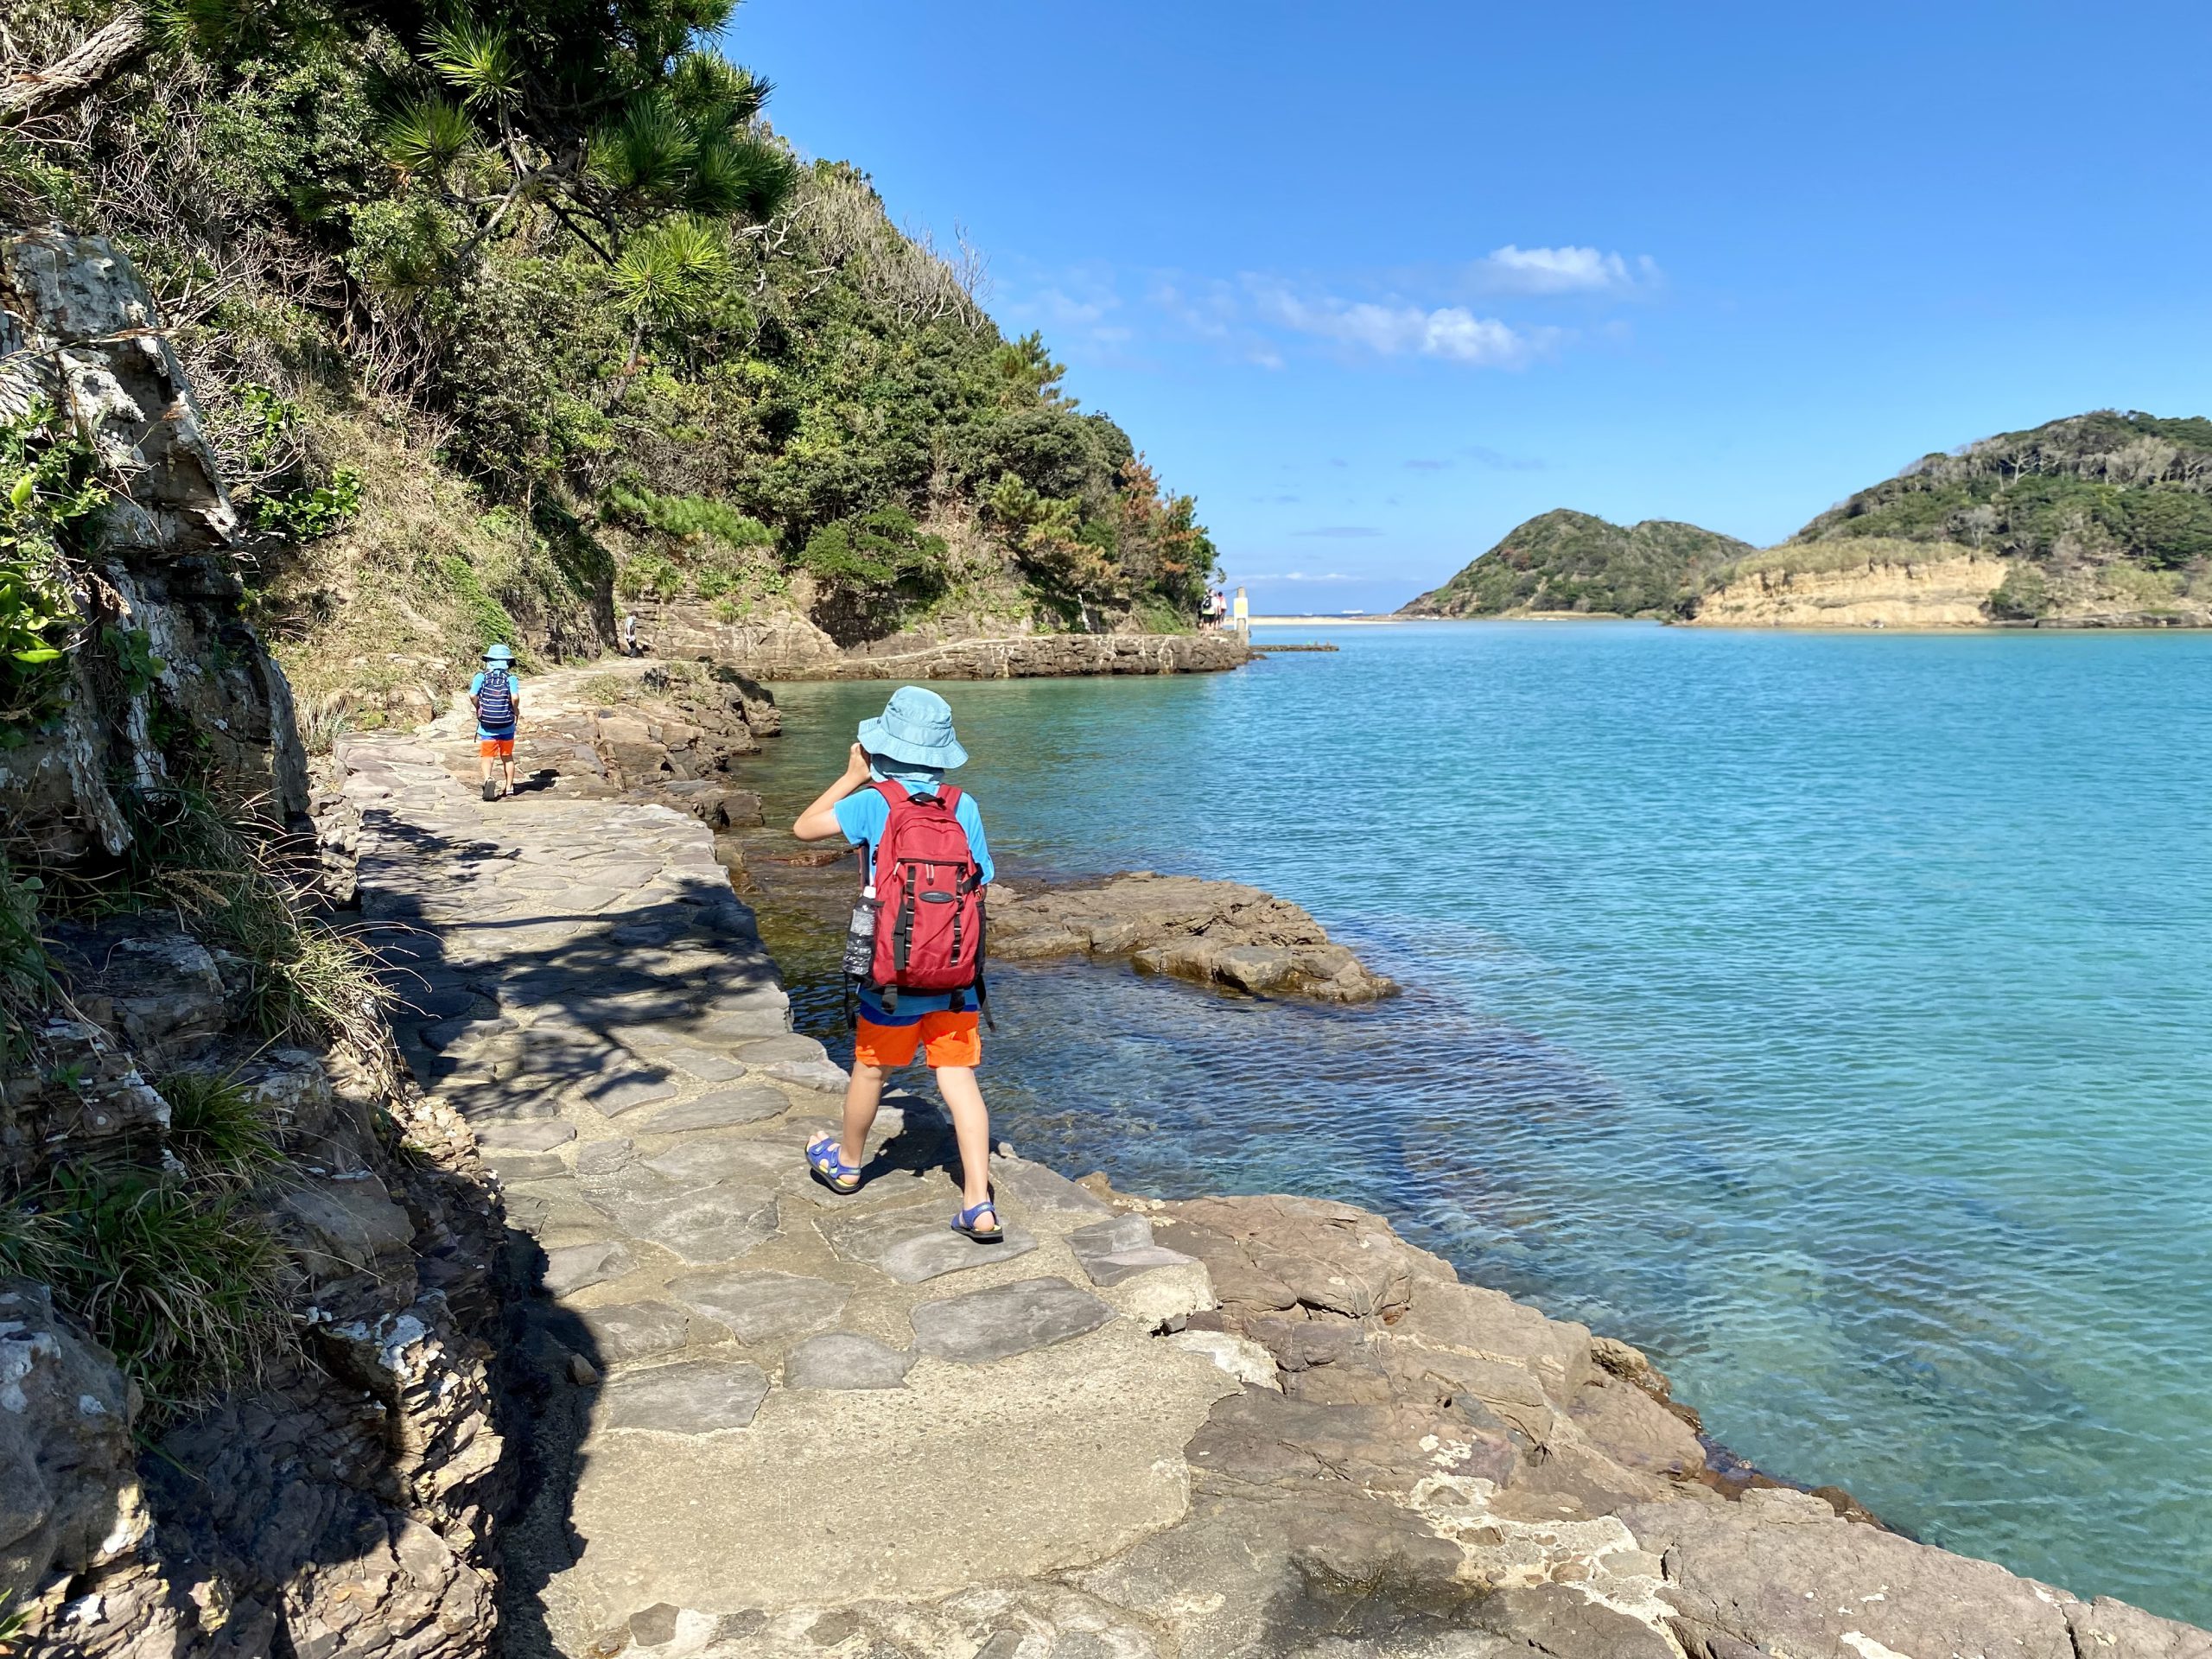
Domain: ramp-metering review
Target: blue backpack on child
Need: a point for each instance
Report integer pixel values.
(495, 702)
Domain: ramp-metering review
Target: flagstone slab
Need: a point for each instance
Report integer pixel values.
(1120, 1248)
(844, 1359)
(824, 1074)
(542, 1135)
(916, 1244)
(786, 1046)
(572, 1267)
(1005, 1320)
(692, 1396)
(718, 1108)
(626, 1331)
(513, 1165)
(612, 1096)
(703, 1225)
(761, 1306)
(761, 1163)
(1035, 1188)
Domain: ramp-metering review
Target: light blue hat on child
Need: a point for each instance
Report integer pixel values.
(916, 727)
(499, 654)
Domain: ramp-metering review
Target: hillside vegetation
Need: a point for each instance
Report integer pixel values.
(2102, 519)
(1564, 560)
(505, 311)
(2104, 511)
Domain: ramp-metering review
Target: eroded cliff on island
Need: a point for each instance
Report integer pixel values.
(1922, 592)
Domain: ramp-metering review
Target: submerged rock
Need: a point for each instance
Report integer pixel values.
(1217, 933)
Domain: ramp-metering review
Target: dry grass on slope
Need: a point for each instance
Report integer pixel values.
(385, 618)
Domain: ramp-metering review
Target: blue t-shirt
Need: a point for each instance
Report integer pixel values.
(863, 815)
(514, 690)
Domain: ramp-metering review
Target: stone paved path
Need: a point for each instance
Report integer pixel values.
(788, 1398)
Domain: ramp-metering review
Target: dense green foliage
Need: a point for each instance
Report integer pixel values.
(560, 239)
(2092, 488)
(49, 507)
(1563, 561)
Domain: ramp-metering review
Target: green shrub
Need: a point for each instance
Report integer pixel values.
(648, 575)
(309, 515)
(49, 511)
(2023, 596)
(483, 616)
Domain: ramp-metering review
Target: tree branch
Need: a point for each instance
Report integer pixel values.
(98, 59)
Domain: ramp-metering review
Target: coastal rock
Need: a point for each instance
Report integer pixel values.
(1218, 932)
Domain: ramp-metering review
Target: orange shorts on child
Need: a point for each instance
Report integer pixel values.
(945, 1039)
(496, 748)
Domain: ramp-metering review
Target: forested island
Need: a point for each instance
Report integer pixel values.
(2102, 519)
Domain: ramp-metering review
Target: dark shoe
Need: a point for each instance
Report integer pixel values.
(491, 789)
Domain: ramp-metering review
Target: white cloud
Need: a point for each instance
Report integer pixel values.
(1300, 575)
(1450, 332)
(1564, 271)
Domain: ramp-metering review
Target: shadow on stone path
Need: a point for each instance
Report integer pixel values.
(749, 1395)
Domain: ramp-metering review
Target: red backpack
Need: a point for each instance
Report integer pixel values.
(929, 920)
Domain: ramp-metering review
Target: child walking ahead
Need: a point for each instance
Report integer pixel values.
(930, 891)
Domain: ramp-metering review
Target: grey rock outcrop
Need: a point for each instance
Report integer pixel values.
(341, 1497)
(1217, 933)
(78, 332)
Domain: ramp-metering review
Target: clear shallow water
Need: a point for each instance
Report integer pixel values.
(1828, 1013)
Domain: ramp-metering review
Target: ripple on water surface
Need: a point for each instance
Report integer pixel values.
(1827, 1013)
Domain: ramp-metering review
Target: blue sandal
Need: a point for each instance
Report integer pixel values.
(825, 1157)
(964, 1223)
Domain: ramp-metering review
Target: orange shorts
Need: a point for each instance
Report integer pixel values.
(945, 1039)
(496, 748)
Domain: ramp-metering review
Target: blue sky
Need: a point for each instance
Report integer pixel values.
(1377, 282)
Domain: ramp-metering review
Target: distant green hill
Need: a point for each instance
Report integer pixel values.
(1563, 561)
(2097, 487)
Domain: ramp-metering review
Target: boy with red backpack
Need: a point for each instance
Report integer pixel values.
(920, 931)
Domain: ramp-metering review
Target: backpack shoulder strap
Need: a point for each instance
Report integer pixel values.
(950, 794)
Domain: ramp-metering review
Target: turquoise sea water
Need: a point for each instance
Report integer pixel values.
(1829, 1014)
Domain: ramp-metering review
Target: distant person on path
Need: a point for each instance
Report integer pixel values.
(630, 634)
(496, 696)
(892, 796)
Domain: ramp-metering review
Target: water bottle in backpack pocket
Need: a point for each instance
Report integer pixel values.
(859, 935)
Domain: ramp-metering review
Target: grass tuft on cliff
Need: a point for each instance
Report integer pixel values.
(180, 1284)
(1573, 561)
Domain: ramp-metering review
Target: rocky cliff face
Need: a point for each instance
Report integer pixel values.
(335, 1490)
(1937, 592)
(167, 659)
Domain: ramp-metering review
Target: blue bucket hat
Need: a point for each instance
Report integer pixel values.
(916, 727)
(499, 654)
